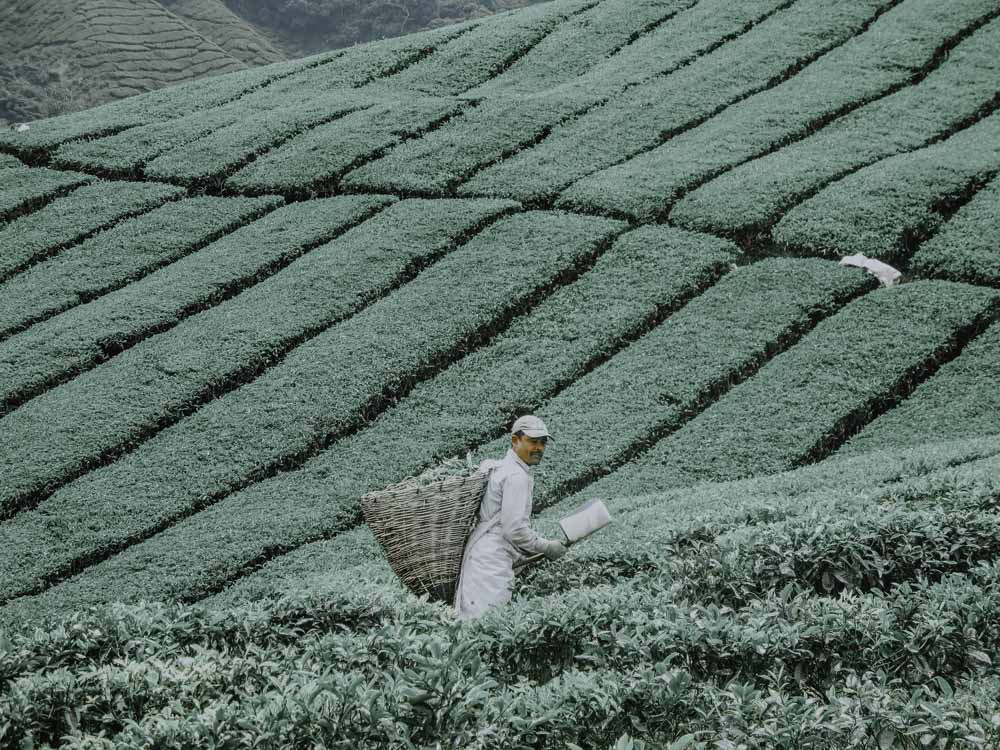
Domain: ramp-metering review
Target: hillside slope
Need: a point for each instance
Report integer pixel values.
(231, 308)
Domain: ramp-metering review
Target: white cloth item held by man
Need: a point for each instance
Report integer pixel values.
(885, 273)
(502, 537)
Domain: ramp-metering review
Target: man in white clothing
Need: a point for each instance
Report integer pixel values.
(504, 534)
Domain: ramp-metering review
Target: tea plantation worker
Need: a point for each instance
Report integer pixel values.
(504, 534)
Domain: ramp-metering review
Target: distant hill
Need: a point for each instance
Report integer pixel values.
(58, 57)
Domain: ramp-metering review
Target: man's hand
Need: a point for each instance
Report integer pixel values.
(554, 550)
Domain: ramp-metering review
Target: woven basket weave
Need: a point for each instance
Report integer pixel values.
(423, 530)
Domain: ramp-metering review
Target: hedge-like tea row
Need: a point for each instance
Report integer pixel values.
(81, 213)
(862, 69)
(692, 32)
(482, 52)
(111, 406)
(752, 196)
(326, 386)
(22, 188)
(63, 346)
(968, 247)
(718, 339)
(325, 152)
(126, 152)
(231, 145)
(7, 161)
(120, 255)
(638, 119)
(961, 400)
(806, 400)
(504, 122)
(886, 209)
(581, 43)
(467, 403)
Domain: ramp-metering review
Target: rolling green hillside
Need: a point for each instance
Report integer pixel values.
(231, 308)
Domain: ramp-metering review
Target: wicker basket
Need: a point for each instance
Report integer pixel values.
(423, 530)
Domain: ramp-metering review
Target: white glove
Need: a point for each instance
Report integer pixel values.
(554, 549)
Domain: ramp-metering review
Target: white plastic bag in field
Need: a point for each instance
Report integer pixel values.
(885, 273)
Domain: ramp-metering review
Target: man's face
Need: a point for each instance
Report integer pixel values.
(528, 449)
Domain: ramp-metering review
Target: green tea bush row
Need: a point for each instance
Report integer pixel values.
(862, 69)
(960, 400)
(475, 398)
(581, 43)
(315, 158)
(748, 199)
(887, 209)
(68, 220)
(558, 338)
(22, 189)
(691, 33)
(9, 162)
(206, 350)
(120, 255)
(51, 352)
(229, 146)
(150, 672)
(125, 153)
(640, 118)
(807, 400)
(716, 340)
(504, 121)
(965, 249)
(289, 411)
(484, 51)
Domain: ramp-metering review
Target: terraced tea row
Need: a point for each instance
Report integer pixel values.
(74, 218)
(808, 400)
(120, 256)
(887, 209)
(640, 117)
(63, 346)
(23, 190)
(861, 70)
(960, 401)
(747, 200)
(556, 340)
(152, 385)
(967, 248)
(497, 124)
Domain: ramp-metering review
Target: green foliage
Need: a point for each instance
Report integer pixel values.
(23, 189)
(93, 207)
(886, 210)
(959, 401)
(847, 370)
(124, 253)
(966, 247)
(750, 197)
(644, 115)
(861, 69)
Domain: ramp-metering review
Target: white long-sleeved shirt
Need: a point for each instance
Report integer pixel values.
(509, 493)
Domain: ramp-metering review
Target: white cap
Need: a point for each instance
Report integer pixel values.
(531, 426)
